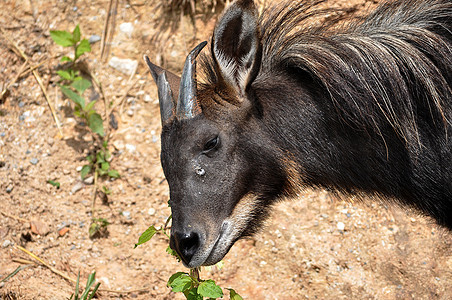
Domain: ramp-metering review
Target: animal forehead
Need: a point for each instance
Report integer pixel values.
(186, 133)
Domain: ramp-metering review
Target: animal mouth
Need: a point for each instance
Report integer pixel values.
(220, 248)
(217, 249)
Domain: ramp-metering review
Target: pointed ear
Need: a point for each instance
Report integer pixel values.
(236, 46)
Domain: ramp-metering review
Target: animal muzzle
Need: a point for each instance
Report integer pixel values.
(186, 244)
(198, 248)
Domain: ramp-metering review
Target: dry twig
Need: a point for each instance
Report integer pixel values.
(38, 79)
(14, 217)
(54, 270)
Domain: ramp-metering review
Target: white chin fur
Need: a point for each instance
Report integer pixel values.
(231, 229)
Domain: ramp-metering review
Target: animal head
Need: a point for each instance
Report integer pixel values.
(214, 155)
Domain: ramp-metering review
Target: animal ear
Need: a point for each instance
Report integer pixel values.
(168, 90)
(236, 46)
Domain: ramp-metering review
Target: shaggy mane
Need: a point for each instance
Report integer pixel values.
(389, 67)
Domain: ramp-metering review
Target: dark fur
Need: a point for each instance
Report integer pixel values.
(361, 109)
(365, 107)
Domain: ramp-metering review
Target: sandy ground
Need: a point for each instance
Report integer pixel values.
(312, 247)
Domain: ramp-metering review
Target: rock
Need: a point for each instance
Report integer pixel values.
(6, 243)
(94, 39)
(63, 231)
(151, 211)
(89, 180)
(131, 148)
(39, 227)
(77, 187)
(9, 188)
(126, 214)
(123, 65)
(34, 161)
(147, 98)
(127, 29)
(119, 144)
(340, 226)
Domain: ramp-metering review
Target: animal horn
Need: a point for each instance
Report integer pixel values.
(187, 104)
(164, 91)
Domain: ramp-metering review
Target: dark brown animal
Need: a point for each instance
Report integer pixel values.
(362, 109)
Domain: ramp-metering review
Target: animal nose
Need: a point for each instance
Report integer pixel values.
(185, 244)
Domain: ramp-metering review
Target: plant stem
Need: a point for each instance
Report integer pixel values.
(94, 190)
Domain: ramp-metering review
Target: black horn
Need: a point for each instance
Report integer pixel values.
(187, 104)
(164, 90)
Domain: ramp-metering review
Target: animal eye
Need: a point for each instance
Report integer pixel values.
(211, 144)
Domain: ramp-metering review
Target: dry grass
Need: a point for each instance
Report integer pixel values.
(174, 11)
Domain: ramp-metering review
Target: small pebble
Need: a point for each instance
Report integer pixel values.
(34, 161)
(151, 211)
(147, 98)
(340, 226)
(131, 148)
(6, 243)
(94, 39)
(9, 188)
(123, 65)
(126, 28)
(126, 214)
(89, 180)
(77, 187)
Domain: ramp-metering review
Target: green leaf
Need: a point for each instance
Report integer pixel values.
(89, 107)
(209, 289)
(76, 286)
(180, 282)
(192, 294)
(146, 236)
(62, 38)
(73, 96)
(101, 172)
(113, 174)
(65, 59)
(170, 251)
(94, 291)
(105, 166)
(89, 284)
(106, 190)
(81, 85)
(64, 74)
(100, 158)
(93, 229)
(96, 124)
(54, 183)
(83, 47)
(233, 295)
(76, 34)
(86, 169)
(20, 268)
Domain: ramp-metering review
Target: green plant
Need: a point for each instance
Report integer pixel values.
(73, 85)
(86, 293)
(54, 183)
(98, 227)
(188, 283)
